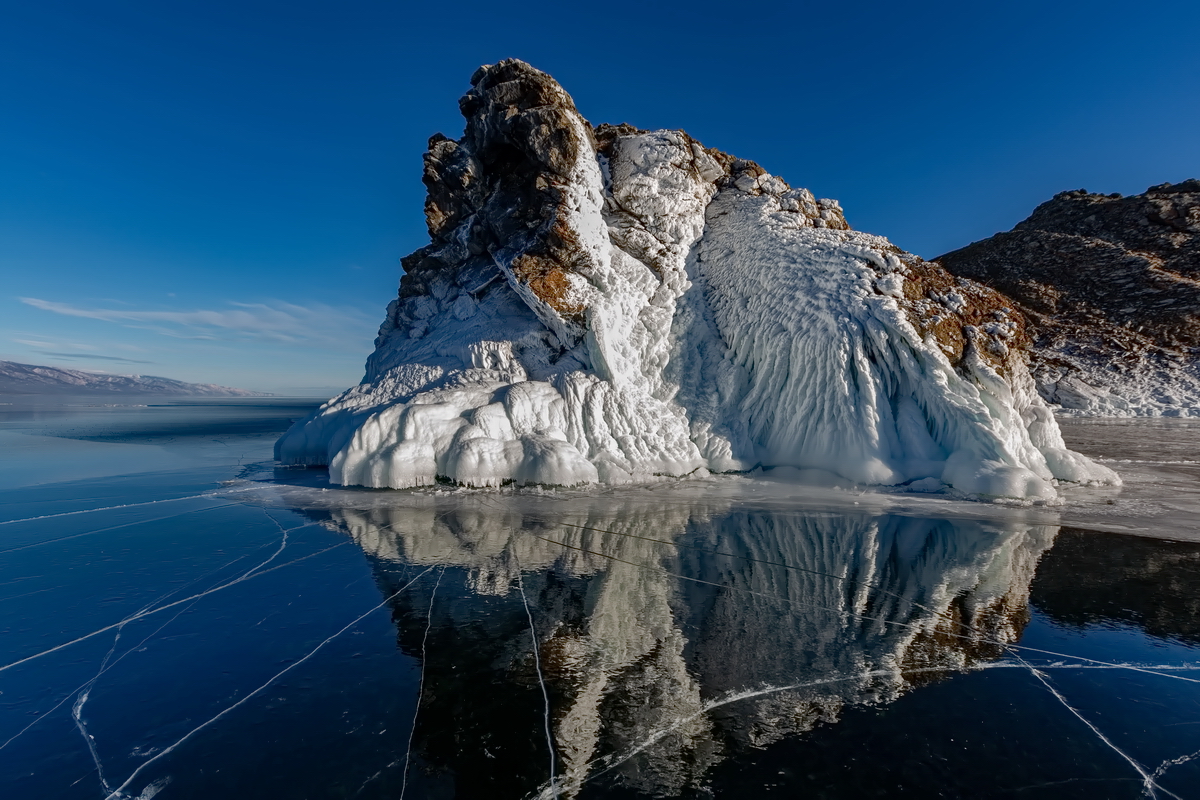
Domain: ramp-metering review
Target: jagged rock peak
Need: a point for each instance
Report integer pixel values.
(1111, 286)
(504, 189)
(614, 304)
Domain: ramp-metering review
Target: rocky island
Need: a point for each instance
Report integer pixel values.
(609, 304)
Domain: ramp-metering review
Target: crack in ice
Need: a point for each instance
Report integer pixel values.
(114, 528)
(1065, 781)
(1174, 762)
(105, 508)
(27, 594)
(252, 573)
(420, 688)
(105, 666)
(537, 662)
(77, 716)
(118, 793)
(84, 693)
(1148, 782)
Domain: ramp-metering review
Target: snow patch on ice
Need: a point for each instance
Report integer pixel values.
(1091, 389)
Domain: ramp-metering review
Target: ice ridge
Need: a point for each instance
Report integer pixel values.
(614, 305)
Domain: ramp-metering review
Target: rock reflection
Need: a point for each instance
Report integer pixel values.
(1109, 578)
(672, 635)
(871, 604)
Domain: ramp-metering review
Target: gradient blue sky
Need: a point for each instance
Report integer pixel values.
(220, 192)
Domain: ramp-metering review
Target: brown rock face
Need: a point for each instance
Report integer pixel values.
(965, 317)
(499, 191)
(1116, 273)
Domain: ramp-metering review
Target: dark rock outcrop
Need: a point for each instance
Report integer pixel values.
(499, 191)
(1111, 286)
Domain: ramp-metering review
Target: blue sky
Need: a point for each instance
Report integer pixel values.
(220, 192)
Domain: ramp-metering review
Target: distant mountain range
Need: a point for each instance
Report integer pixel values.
(30, 379)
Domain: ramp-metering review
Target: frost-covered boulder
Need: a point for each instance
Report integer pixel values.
(612, 305)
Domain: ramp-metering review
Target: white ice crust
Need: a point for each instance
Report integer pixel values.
(1093, 389)
(724, 332)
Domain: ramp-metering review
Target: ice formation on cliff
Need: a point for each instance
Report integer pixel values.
(612, 305)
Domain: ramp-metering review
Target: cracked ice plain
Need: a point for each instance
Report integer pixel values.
(795, 596)
(132, 700)
(884, 582)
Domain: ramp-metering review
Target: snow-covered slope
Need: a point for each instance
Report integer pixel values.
(616, 305)
(29, 379)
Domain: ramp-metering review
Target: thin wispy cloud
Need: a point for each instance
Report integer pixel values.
(276, 321)
(93, 356)
(41, 344)
(73, 351)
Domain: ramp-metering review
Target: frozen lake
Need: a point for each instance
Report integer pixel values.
(181, 618)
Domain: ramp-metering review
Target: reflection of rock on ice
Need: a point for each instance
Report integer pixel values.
(613, 652)
(844, 609)
(888, 593)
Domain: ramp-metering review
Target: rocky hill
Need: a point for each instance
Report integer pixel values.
(1111, 288)
(611, 304)
(27, 379)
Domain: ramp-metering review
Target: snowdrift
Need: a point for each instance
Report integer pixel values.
(613, 305)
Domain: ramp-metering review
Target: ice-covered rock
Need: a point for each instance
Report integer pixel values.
(613, 305)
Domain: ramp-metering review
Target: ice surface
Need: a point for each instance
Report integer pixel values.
(685, 634)
(675, 624)
(724, 330)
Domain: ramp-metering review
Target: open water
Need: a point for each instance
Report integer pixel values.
(180, 618)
